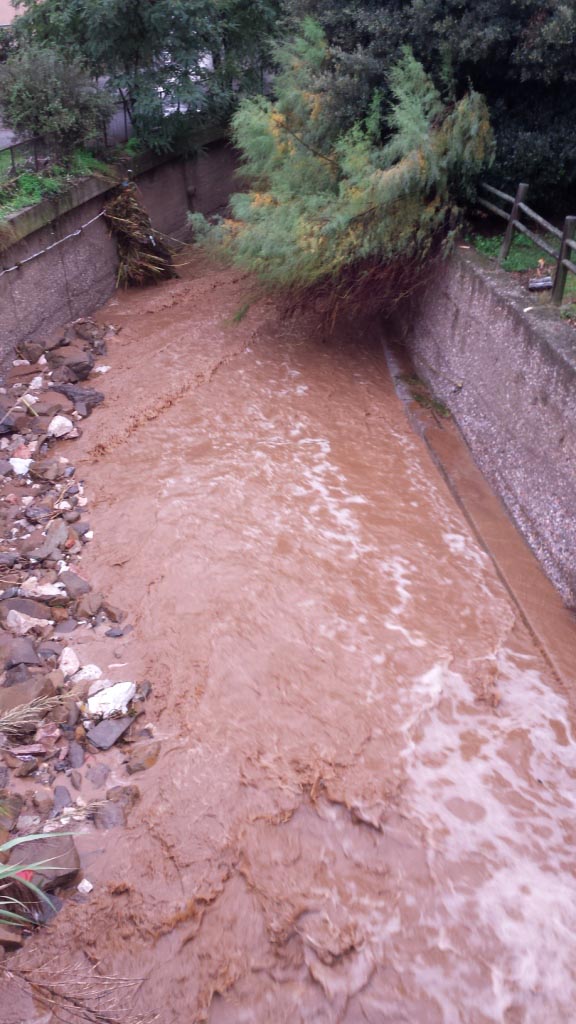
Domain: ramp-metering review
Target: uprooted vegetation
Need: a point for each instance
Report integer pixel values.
(142, 256)
(341, 220)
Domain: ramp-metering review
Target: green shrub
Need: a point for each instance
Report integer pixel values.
(29, 188)
(154, 53)
(42, 94)
(7, 42)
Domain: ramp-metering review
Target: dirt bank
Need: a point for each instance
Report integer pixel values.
(364, 805)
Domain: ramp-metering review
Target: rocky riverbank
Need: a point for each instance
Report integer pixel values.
(58, 713)
(362, 805)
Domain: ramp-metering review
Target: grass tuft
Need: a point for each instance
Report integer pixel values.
(27, 188)
(524, 256)
(18, 893)
(22, 719)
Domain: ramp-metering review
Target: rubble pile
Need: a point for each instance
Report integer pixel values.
(57, 715)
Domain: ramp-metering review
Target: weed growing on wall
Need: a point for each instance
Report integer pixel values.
(28, 187)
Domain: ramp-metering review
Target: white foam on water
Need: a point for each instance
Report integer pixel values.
(398, 569)
(402, 574)
(413, 639)
(462, 546)
(495, 792)
(329, 514)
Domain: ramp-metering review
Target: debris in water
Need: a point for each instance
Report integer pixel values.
(142, 256)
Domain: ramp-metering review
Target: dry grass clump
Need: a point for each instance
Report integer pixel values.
(19, 721)
(77, 994)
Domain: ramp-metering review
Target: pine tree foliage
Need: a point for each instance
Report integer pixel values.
(518, 53)
(339, 217)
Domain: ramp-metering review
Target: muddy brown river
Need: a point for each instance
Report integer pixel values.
(364, 807)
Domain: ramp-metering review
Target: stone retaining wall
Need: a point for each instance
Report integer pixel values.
(508, 375)
(78, 276)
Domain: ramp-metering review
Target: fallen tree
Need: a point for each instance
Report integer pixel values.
(340, 219)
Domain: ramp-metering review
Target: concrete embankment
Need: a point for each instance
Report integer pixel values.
(73, 276)
(507, 372)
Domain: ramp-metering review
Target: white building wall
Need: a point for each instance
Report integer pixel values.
(7, 12)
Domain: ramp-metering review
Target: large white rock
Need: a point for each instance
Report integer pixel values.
(20, 466)
(60, 426)
(88, 674)
(113, 699)
(69, 662)
(32, 588)
(21, 624)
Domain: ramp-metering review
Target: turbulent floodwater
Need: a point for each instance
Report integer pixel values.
(364, 810)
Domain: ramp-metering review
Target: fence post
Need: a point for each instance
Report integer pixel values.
(565, 252)
(509, 233)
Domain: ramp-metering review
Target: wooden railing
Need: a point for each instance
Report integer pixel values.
(564, 254)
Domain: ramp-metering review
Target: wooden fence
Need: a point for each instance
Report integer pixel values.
(564, 254)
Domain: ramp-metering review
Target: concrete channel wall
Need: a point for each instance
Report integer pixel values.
(507, 373)
(506, 369)
(76, 277)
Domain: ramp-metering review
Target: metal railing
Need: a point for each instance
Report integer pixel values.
(31, 154)
(38, 153)
(564, 254)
